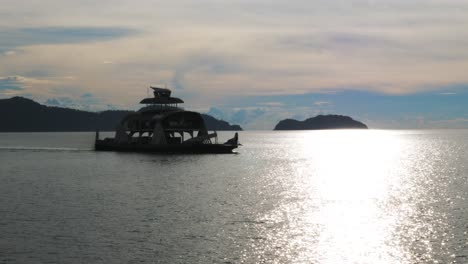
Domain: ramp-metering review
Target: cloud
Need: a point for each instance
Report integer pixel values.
(9, 53)
(206, 62)
(272, 104)
(53, 102)
(13, 38)
(21, 85)
(87, 102)
(322, 103)
(216, 112)
(238, 116)
(11, 83)
(87, 95)
(321, 41)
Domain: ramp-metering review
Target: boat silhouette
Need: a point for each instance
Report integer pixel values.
(161, 126)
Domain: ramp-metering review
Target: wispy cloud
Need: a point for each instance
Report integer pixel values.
(11, 83)
(87, 101)
(272, 104)
(13, 38)
(18, 85)
(9, 53)
(322, 103)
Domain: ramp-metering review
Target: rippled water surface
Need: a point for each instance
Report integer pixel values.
(288, 197)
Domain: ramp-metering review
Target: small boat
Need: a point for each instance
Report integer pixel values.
(161, 126)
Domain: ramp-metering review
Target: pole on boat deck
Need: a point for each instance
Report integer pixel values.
(97, 135)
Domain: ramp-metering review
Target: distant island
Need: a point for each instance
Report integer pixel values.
(20, 114)
(321, 122)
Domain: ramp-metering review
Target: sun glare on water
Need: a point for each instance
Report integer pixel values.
(353, 182)
(351, 197)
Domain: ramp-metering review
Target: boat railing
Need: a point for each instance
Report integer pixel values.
(160, 108)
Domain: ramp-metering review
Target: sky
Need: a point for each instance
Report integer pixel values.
(391, 64)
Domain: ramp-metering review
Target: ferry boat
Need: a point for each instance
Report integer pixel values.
(162, 126)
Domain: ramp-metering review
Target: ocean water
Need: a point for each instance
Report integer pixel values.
(376, 196)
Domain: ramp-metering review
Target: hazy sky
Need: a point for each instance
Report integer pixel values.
(389, 63)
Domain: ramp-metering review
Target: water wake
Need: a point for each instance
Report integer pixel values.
(41, 149)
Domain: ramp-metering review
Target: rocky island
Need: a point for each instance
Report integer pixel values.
(20, 114)
(321, 122)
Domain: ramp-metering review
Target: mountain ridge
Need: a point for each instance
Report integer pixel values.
(19, 114)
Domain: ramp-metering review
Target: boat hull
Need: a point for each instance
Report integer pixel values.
(107, 145)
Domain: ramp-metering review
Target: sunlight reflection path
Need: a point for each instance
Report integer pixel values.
(353, 197)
